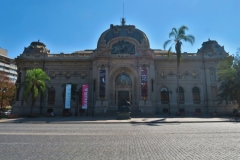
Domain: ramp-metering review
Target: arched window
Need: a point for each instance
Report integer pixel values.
(164, 96)
(196, 95)
(51, 95)
(181, 95)
(123, 79)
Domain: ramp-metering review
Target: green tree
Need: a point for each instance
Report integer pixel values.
(34, 83)
(229, 79)
(176, 37)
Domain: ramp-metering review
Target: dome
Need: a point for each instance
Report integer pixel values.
(36, 47)
(123, 30)
(211, 48)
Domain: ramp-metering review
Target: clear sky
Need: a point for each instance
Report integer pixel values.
(73, 25)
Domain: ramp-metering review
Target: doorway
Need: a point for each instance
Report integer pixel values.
(123, 96)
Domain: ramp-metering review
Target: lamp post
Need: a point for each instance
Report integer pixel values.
(169, 102)
(3, 90)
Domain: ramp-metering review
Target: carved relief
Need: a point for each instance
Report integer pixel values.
(68, 75)
(83, 75)
(53, 75)
(163, 75)
(194, 74)
(123, 47)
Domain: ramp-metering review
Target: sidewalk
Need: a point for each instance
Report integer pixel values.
(113, 119)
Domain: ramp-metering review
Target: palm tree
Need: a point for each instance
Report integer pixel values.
(34, 83)
(178, 36)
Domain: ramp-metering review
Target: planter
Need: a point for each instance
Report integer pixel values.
(197, 114)
(12, 116)
(180, 114)
(34, 115)
(67, 114)
(50, 115)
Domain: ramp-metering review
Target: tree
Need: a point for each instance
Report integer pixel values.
(34, 83)
(7, 97)
(178, 36)
(229, 79)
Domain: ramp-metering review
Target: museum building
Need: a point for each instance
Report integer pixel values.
(123, 68)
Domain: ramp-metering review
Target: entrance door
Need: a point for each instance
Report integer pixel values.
(123, 96)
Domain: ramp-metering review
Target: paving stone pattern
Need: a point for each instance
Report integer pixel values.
(120, 141)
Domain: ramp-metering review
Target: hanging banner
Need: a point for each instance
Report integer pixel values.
(144, 82)
(68, 96)
(84, 96)
(102, 83)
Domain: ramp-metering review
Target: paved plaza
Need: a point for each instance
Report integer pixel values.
(119, 141)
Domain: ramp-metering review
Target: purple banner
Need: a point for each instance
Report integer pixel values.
(102, 83)
(144, 83)
(84, 96)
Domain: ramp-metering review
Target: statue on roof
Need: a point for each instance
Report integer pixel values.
(123, 22)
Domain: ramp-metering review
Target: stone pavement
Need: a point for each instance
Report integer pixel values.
(113, 119)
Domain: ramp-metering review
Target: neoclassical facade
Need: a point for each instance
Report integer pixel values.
(123, 68)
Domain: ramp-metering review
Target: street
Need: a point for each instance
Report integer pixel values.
(120, 141)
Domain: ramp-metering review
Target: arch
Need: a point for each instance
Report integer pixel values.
(51, 95)
(133, 88)
(181, 95)
(123, 79)
(115, 71)
(164, 95)
(196, 95)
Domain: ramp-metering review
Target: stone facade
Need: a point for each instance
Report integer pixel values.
(132, 71)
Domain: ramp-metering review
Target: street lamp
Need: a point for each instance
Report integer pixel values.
(3, 90)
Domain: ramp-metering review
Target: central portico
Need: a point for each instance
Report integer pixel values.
(122, 52)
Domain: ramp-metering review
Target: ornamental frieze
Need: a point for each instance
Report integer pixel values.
(83, 75)
(53, 75)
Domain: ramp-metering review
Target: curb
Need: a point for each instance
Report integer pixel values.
(109, 122)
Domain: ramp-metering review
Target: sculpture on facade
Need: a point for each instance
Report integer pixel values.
(123, 47)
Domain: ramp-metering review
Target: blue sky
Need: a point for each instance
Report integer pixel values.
(72, 25)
